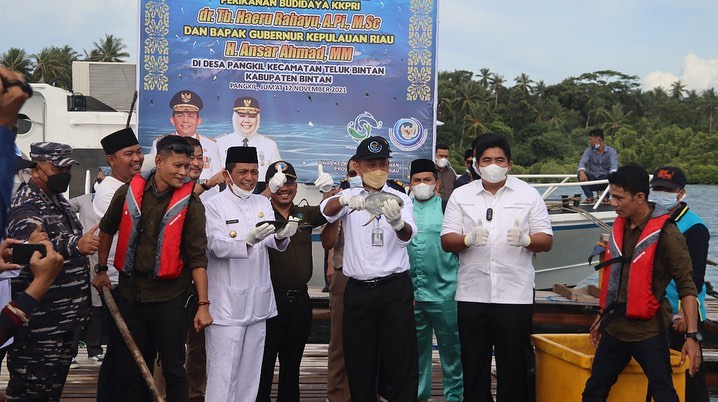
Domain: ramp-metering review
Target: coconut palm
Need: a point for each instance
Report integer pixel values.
(523, 82)
(497, 83)
(51, 64)
(485, 77)
(677, 89)
(475, 122)
(709, 105)
(108, 49)
(18, 60)
(615, 118)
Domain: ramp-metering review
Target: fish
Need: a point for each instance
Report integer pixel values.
(373, 203)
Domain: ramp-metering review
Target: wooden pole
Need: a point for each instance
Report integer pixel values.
(131, 345)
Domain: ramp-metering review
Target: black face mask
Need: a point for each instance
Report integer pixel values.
(59, 182)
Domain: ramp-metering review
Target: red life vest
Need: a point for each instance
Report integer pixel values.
(641, 304)
(168, 261)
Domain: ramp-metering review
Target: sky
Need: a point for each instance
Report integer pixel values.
(660, 41)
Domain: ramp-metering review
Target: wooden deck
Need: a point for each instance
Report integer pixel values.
(81, 383)
(552, 309)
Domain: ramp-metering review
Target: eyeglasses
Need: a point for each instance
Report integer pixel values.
(351, 173)
(178, 148)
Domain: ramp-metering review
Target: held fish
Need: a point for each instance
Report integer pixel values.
(373, 203)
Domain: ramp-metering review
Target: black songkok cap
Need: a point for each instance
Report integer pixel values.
(421, 166)
(119, 140)
(242, 155)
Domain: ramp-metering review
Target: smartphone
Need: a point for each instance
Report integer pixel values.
(21, 253)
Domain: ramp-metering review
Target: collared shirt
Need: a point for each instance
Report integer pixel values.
(66, 305)
(239, 283)
(447, 176)
(672, 261)
(599, 164)
(292, 268)
(433, 270)
(140, 286)
(103, 196)
(267, 151)
(362, 260)
(497, 272)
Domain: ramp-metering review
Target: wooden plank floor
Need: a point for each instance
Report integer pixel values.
(81, 383)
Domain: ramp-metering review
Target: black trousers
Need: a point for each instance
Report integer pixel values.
(612, 356)
(156, 327)
(95, 332)
(379, 330)
(696, 390)
(504, 329)
(107, 382)
(287, 334)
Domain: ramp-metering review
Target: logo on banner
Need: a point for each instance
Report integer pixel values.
(360, 128)
(408, 134)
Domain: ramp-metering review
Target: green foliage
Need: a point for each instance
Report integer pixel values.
(548, 124)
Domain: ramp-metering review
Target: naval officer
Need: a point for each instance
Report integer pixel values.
(379, 330)
(239, 279)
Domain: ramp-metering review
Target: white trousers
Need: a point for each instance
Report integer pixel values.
(234, 361)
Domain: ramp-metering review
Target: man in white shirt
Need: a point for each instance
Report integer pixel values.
(239, 280)
(378, 325)
(124, 155)
(245, 120)
(186, 106)
(495, 225)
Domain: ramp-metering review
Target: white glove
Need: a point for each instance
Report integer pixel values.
(355, 202)
(277, 181)
(289, 229)
(259, 233)
(392, 212)
(517, 237)
(478, 236)
(324, 181)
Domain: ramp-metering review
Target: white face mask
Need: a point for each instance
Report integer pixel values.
(355, 181)
(493, 173)
(423, 191)
(239, 192)
(442, 162)
(663, 198)
(596, 146)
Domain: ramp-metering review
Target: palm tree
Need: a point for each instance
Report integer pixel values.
(524, 83)
(709, 104)
(485, 77)
(17, 60)
(50, 64)
(615, 118)
(475, 122)
(109, 49)
(677, 89)
(497, 82)
(467, 97)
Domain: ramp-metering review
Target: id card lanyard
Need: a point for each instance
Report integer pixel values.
(377, 234)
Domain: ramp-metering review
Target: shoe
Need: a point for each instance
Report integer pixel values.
(97, 359)
(74, 364)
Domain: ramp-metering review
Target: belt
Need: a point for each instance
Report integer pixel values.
(140, 274)
(290, 293)
(376, 282)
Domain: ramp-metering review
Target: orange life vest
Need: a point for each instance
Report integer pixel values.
(168, 261)
(641, 304)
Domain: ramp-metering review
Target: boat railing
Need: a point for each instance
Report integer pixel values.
(566, 180)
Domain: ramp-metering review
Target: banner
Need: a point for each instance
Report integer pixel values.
(322, 74)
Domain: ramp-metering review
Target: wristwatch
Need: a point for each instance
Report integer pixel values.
(101, 268)
(205, 186)
(696, 336)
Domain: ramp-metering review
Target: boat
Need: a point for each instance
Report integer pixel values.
(81, 121)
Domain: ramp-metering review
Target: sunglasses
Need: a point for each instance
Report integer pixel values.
(178, 148)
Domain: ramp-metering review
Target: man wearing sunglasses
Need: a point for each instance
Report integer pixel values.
(160, 250)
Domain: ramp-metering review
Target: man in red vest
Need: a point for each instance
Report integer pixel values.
(160, 250)
(646, 250)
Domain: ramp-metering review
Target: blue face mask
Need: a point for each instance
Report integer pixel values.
(355, 181)
(663, 198)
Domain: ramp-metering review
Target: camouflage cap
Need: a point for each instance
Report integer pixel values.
(58, 154)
